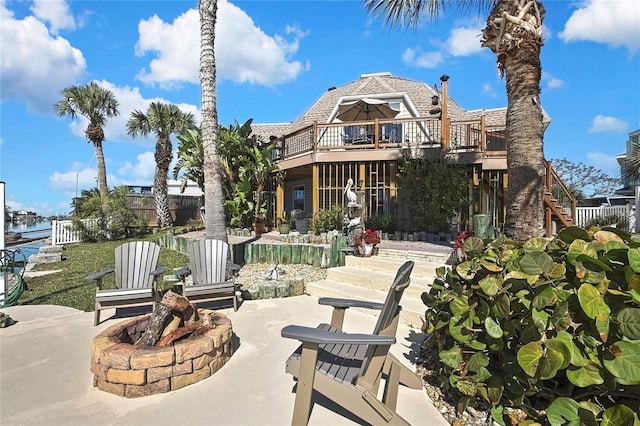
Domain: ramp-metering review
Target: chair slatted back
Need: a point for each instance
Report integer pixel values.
(387, 323)
(208, 261)
(134, 262)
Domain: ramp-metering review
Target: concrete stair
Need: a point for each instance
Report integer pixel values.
(369, 278)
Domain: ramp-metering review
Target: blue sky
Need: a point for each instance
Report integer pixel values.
(275, 59)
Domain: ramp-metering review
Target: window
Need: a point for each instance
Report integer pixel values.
(298, 197)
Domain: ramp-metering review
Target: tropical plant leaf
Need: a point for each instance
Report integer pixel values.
(593, 263)
(472, 244)
(545, 297)
(493, 328)
(536, 263)
(501, 306)
(459, 305)
(572, 233)
(477, 361)
(634, 259)
(466, 270)
(529, 357)
(550, 364)
(560, 346)
(495, 388)
(451, 357)
(606, 236)
(590, 374)
(536, 244)
(563, 411)
(618, 415)
(491, 285)
(629, 323)
(577, 358)
(623, 361)
(579, 247)
(592, 301)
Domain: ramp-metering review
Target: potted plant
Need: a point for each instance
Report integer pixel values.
(284, 224)
(259, 224)
(366, 241)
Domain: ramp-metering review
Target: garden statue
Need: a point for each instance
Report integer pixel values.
(351, 194)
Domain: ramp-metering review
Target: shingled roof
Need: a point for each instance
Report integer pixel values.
(376, 85)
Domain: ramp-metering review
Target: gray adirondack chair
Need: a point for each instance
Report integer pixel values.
(348, 368)
(208, 266)
(136, 271)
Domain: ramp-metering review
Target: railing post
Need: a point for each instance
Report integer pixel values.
(483, 135)
(376, 132)
(314, 137)
(54, 232)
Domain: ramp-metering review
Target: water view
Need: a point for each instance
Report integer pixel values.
(29, 232)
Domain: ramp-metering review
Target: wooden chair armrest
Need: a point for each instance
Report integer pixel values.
(100, 275)
(321, 337)
(349, 303)
(158, 271)
(183, 272)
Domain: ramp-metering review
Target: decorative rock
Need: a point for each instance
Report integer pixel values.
(267, 291)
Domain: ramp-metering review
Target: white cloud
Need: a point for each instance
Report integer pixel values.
(604, 21)
(56, 13)
(129, 99)
(38, 81)
(606, 163)
(603, 123)
(244, 53)
(415, 58)
(142, 171)
(488, 90)
(464, 41)
(551, 82)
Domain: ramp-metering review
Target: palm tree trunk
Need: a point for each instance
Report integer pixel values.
(515, 36)
(163, 158)
(213, 195)
(102, 172)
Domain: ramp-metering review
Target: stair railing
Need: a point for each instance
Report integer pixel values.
(560, 192)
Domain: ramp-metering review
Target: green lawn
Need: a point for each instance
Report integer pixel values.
(70, 286)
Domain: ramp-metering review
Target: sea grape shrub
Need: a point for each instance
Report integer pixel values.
(549, 327)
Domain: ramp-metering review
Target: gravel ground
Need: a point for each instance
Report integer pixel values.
(253, 275)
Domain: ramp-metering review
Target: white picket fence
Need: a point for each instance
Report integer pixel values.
(62, 231)
(585, 214)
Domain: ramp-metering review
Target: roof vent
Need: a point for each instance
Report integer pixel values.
(331, 88)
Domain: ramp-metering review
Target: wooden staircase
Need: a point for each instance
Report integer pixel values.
(559, 203)
(369, 278)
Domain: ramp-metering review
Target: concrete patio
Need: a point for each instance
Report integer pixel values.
(45, 377)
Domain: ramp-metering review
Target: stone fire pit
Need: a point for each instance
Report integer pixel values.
(124, 369)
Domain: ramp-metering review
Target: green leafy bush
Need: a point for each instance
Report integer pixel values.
(111, 223)
(611, 220)
(327, 220)
(384, 223)
(549, 327)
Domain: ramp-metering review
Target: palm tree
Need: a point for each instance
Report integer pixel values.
(96, 104)
(514, 33)
(190, 159)
(163, 120)
(215, 224)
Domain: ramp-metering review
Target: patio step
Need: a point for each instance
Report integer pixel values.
(369, 279)
(377, 279)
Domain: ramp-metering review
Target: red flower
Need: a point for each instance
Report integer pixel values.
(367, 237)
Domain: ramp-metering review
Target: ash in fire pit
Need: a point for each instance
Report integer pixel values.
(169, 349)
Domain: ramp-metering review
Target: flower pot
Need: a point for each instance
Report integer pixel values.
(284, 228)
(366, 250)
(258, 228)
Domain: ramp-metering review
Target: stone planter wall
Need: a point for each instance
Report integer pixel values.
(126, 370)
